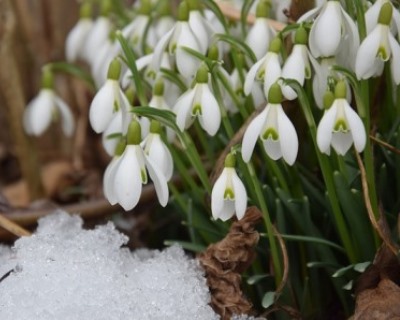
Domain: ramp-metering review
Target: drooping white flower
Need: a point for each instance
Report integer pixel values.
(333, 30)
(157, 151)
(378, 47)
(108, 100)
(228, 195)
(260, 30)
(106, 54)
(268, 69)
(181, 35)
(135, 31)
(125, 179)
(76, 38)
(97, 36)
(340, 126)
(275, 130)
(46, 107)
(372, 15)
(297, 65)
(198, 24)
(200, 103)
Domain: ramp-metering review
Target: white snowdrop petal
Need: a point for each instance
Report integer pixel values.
(197, 24)
(341, 142)
(183, 108)
(356, 127)
(273, 148)
(240, 196)
(273, 72)
(108, 181)
(186, 63)
(227, 211)
(366, 55)
(102, 107)
(127, 179)
(211, 114)
(75, 41)
(288, 137)
(159, 50)
(97, 36)
(309, 15)
(294, 68)
(114, 127)
(159, 153)
(325, 127)
(251, 75)
(395, 63)
(41, 111)
(159, 181)
(260, 30)
(351, 41)
(67, 118)
(217, 195)
(252, 133)
(371, 15)
(327, 23)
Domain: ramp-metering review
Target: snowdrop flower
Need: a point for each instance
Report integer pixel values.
(181, 35)
(260, 30)
(297, 65)
(108, 100)
(98, 34)
(46, 107)
(333, 30)
(157, 151)
(124, 180)
(378, 47)
(274, 129)
(268, 69)
(198, 24)
(228, 195)
(165, 21)
(372, 15)
(77, 37)
(340, 126)
(199, 102)
(134, 32)
(108, 187)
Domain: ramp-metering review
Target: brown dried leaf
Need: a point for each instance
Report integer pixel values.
(226, 260)
(381, 303)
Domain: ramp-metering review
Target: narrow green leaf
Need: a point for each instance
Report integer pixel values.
(174, 78)
(73, 70)
(238, 44)
(131, 61)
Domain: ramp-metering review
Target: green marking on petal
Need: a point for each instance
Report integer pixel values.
(260, 74)
(229, 194)
(116, 106)
(196, 111)
(143, 176)
(340, 125)
(382, 54)
(270, 133)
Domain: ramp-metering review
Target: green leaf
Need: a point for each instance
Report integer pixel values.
(114, 135)
(218, 13)
(166, 117)
(131, 62)
(243, 15)
(238, 44)
(268, 299)
(73, 70)
(186, 245)
(174, 78)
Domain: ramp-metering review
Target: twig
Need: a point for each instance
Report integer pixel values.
(385, 144)
(382, 233)
(13, 227)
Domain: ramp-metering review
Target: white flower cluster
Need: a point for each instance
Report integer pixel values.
(324, 37)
